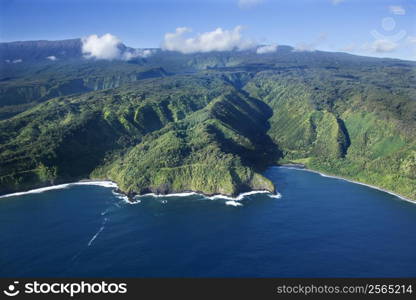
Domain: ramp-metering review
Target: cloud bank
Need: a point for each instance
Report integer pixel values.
(266, 49)
(217, 40)
(104, 47)
(52, 57)
(109, 47)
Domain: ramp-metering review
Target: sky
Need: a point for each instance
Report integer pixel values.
(382, 28)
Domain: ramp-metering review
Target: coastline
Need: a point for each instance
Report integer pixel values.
(302, 167)
(136, 198)
(239, 197)
(104, 183)
(132, 199)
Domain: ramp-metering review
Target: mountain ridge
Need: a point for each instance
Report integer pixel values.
(74, 46)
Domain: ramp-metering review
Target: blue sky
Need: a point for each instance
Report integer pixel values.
(384, 28)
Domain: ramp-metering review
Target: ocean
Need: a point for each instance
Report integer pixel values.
(319, 227)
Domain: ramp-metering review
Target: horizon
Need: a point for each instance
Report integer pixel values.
(217, 51)
(384, 29)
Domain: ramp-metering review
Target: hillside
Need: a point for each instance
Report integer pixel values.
(207, 122)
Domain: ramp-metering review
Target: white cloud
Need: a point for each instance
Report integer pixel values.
(381, 46)
(217, 40)
(104, 47)
(16, 61)
(397, 10)
(52, 57)
(128, 55)
(266, 49)
(248, 3)
(109, 47)
(336, 2)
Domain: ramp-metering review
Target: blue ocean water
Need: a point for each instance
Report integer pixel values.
(321, 227)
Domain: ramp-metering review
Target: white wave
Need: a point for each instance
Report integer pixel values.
(132, 202)
(276, 196)
(95, 236)
(36, 191)
(98, 232)
(233, 203)
(124, 198)
(103, 183)
(213, 197)
(239, 197)
(185, 194)
(352, 181)
(62, 186)
(121, 196)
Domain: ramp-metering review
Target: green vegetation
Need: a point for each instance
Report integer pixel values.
(349, 128)
(208, 122)
(23, 89)
(173, 134)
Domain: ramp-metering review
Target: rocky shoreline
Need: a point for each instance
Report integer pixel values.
(130, 197)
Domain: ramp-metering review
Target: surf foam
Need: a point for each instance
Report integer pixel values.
(124, 198)
(213, 197)
(62, 186)
(121, 196)
(233, 203)
(276, 196)
(98, 232)
(185, 194)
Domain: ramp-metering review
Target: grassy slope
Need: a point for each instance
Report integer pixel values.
(23, 87)
(205, 152)
(361, 133)
(184, 133)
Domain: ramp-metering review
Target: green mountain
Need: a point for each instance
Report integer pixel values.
(208, 122)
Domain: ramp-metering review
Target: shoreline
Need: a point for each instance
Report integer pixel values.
(304, 168)
(239, 197)
(136, 198)
(104, 183)
(132, 199)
